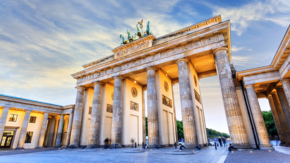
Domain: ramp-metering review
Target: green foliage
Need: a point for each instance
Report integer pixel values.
(213, 133)
(269, 122)
(179, 129)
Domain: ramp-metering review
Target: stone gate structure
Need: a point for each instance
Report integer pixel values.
(110, 100)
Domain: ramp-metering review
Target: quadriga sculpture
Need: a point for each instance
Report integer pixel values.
(130, 36)
(124, 40)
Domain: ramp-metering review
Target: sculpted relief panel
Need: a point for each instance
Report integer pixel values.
(167, 53)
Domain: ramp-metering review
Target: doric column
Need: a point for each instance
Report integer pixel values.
(281, 116)
(59, 131)
(174, 112)
(286, 87)
(258, 118)
(143, 114)
(117, 112)
(51, 131)
(68, 130)
(152, 109)
(186, 104)
(95, 116)
(276, 120)
(23, 129)
(77, 118)
(42, 131)
(285, 105)
(3, 120)
(231, 103)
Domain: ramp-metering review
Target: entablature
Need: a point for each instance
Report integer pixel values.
(203, 40)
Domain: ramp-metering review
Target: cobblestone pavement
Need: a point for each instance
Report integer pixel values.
(257, 156)
(207, 155)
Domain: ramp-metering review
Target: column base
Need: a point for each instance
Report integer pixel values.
(92, 146)
(114, 146)
(153, 146)
(39, 147)
(266, 147)
(190, 146)
(242, 146)
(73, 146)
(282, 144)
(287, 145)
(19, 148)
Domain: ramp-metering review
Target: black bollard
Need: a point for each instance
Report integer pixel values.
(142, 144)
(135, 145)
(157, 147)
(215, 145)
(175, 145)
(116, 146)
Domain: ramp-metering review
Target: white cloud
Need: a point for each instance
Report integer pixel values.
(236, 49)
(268, 10)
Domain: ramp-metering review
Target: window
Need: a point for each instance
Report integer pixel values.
(28, 137)
(32, 119)
(13, 117)
(90, 110)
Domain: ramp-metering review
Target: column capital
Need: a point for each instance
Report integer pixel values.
(98, 82)
(118, 77)
(248, 86)
(286, 79)
(7, 106)
(151, 68)
(80, 87)
(220, 48)
(182, 59)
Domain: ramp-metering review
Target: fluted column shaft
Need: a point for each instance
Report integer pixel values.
(235, 121)
(152, 109)
(3, 120)
(24, 129)
(117, 112)
(174, 112)
(258, 118)
(143, 115)
(186, 102)
(59, 131)
(281, 116)
(284, 104)
(43, 130)
(95, 115)
(68, 133)
(77, 118)
(276, 120)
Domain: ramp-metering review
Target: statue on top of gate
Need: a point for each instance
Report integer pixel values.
(140, 33)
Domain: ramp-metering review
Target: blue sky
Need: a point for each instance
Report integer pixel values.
(43, 42)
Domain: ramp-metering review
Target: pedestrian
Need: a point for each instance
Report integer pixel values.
(276, 139)
(220, 141)
(106, 141)
(224, 141)
(230, 147)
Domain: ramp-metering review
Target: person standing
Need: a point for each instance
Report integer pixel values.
(224, 141)
(276, 139)
(220, 141)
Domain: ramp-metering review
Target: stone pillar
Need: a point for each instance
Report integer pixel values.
(3, 120)
(42, 131)
(117, 112)
(68, 130)
(276, 120)
(23, 130)
(186, 102)
(281, 116)
(235, 121)
(152, 109)
(286, 87)
(143, 115)
(285, 105)
(258, 118)
(59, 131)
(174, 112)
(47, 132)
(95, 116)
(77, 118)
(51, 131)
(57, 119)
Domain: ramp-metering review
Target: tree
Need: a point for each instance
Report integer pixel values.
(269, 122)
(179, 129)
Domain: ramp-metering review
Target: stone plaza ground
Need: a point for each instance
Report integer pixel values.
(207, 155)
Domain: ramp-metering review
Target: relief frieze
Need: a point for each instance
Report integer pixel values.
(157, 56)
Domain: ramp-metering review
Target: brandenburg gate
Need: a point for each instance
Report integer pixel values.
(110, 101)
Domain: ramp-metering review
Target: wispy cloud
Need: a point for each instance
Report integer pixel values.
(236, 49)
(241, 17)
